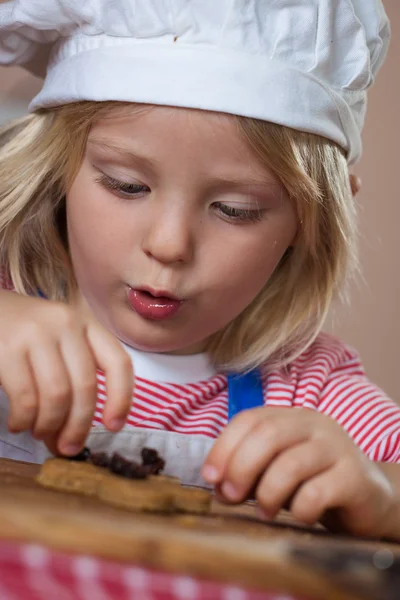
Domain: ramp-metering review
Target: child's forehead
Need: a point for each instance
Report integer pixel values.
(150, 114)
(154, 125)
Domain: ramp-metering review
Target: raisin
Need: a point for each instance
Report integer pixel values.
(152, 463)
(151, 458)
(129, 469)
(100, 459)
(83, 456)
(157, 467)
(136, 471)
(118, 464)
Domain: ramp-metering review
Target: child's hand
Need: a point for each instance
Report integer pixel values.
(48, 361)
(304, 459)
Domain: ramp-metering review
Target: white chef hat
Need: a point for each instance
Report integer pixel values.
(302, 63)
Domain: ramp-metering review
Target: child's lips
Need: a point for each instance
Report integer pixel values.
(154, 305)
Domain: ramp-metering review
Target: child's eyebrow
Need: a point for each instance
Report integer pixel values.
(127, 155)
(261, 182)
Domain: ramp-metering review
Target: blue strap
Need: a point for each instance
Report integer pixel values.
(244, 392)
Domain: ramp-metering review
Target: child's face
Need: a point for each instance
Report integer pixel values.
(199, 218)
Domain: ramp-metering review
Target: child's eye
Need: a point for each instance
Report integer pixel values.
(124, 190)
(239, 214)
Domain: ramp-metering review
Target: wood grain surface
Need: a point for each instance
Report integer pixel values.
(229, 545)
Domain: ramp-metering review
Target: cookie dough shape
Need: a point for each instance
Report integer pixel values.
(137, 494)
(185, 499)
(157, 493)
(69, 476)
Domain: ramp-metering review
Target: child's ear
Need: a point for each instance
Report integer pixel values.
(355, 184)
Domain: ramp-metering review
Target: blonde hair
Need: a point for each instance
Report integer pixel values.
(40, 156)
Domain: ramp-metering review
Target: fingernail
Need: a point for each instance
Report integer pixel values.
(70, 449)
(13, 428)
(229, 491)
(116, 424)
(210, 473)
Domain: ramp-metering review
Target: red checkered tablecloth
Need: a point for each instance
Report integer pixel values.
(31, 572)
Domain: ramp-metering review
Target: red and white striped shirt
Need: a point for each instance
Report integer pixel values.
(328, 377)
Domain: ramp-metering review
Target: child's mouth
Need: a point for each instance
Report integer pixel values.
(153, 305)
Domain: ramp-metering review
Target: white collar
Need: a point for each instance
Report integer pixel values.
(171, 368)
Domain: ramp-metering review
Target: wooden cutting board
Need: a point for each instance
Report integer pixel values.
(229, 545)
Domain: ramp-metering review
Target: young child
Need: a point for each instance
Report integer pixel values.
(179, 200)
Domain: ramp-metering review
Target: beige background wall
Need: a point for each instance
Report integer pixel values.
(372, 323)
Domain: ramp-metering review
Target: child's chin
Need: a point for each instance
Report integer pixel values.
(163, 345)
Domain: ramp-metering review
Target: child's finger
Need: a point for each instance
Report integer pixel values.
(53, 387)
(319, 494)
(249, 460)
(288, 472)
(18, 383)
(51, 442)
(81, 367)
(111, 358)
(219, 455)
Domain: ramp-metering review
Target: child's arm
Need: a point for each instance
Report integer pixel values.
(49, 355)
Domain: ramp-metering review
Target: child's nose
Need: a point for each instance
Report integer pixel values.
(170, 238)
